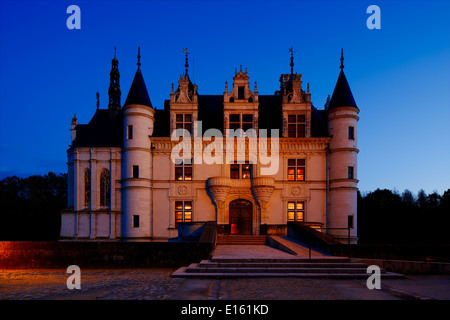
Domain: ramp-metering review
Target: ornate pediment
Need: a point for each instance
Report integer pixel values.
(186, 91)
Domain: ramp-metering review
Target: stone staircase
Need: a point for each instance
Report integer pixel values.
(263, 256)
(316, 267)
(241, 240)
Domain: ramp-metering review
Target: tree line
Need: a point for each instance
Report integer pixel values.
(31, 207)
(31, 210)
(386, 216)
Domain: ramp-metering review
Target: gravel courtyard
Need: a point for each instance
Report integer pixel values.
(157, 284)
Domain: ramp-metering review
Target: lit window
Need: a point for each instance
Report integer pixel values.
(234, 171)
(241, 171)
(296, 211)
(246, 170)
(183, 211)
(183, 171)
(296, 169)
(296, 126)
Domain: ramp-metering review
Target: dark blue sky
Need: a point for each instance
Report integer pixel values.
(399, 75)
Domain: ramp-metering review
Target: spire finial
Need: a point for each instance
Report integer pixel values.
(139, 58)
(114, 86)
(291, 50)
(342, 59)
(186, 64)
(98, 99)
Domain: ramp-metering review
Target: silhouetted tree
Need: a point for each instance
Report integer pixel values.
(31, 206)
(422, 199)
(408, 198)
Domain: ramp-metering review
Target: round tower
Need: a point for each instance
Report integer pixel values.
(342, 160)
(138, 122)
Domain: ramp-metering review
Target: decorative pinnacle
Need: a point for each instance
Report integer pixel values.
(98, 99)
(139, 58)
(291, 50)
(186, 64)
(342, 59)
(114, 52)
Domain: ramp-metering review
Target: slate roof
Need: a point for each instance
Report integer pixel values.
(106, 126)
(104, 130)
(138, 92)
(210, 112)
(342, 95)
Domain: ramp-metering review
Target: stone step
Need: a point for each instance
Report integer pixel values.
(241, 239)
(196, 269)
(208, 264)
(181, 273)
(282, 260)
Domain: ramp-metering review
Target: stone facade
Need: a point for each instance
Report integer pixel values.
(129, 188)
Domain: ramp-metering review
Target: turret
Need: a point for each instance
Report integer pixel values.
(138, 123)
(342, 161)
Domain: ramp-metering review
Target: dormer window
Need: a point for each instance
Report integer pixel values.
(241, 121)
(183, 121)
(296, 126)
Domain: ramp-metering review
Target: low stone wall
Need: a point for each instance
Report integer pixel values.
(406, 252)
(30, 254)
(407, 267)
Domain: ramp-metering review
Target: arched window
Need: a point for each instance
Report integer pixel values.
(105, 189)
(87, 188)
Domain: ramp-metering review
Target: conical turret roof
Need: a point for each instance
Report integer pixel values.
(138, 92)
(342, 95)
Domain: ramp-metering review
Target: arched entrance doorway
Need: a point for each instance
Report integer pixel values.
(240, 217)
